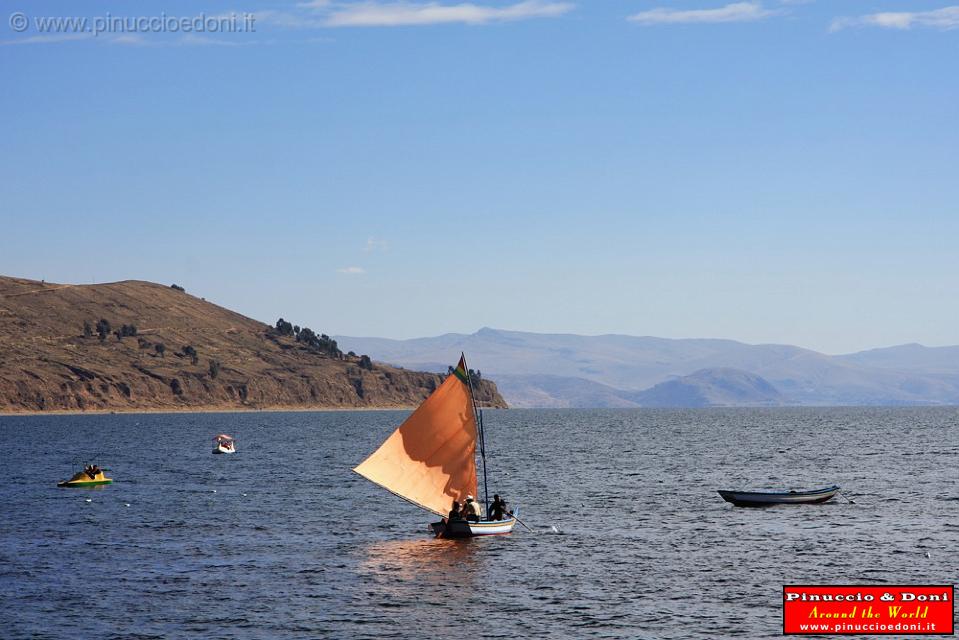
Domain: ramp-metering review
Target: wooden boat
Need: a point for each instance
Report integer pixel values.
(84, 479)
(769, 498)
(223, 443)
(465, 529)
(430, 460)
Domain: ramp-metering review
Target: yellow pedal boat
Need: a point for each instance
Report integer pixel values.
(83, 479)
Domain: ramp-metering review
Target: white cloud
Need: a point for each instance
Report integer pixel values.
(397, 14)
(351, 270)
(133, 39)
(130, 39)
(945, 18)
(290, 20)
(374, 244)
(194, 39)
(735, 12)
(186, 40)
(48, 39)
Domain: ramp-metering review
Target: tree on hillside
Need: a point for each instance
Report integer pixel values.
(126, 331)
(321, 343)
(214, 368)
(191, 352)
(103, 328)
(87, 329)
(177, 287)
(160, 349)
(284, 328)
(366, 363)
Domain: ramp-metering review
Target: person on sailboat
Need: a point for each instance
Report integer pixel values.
(498, 509)
(456, 513)
(472, 509)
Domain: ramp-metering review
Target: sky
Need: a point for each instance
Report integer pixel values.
(765, 171)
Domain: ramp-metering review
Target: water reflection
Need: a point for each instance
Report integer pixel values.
(428, 562)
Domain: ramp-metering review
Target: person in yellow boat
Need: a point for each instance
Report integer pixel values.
(471, 509)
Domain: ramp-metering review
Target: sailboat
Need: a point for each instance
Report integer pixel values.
(430, 460)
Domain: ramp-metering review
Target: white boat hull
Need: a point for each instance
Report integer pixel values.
(466, 529)
(222, 449)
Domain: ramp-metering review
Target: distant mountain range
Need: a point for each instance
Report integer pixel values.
(566, 370)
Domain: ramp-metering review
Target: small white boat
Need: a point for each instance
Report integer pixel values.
(223, 443)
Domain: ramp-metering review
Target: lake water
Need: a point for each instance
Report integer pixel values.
(631, 540)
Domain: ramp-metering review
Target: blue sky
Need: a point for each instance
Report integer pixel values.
(763, 171)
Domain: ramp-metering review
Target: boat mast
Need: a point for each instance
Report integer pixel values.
(478, 417)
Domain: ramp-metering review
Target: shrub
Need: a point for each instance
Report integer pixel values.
(214, 368)
(177, 287)
(366, 363)
(126, 331)
(160, 349)
(103, 328)
(87, 329)
(321, 343)
(284, 328)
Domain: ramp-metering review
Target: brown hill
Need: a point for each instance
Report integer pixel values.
(210, 358)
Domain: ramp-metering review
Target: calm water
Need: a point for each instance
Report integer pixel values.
(631, 540)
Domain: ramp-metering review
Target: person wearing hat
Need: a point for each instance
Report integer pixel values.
(471, 509)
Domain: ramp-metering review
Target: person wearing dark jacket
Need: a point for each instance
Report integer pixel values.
(498, 509)
(456, 512)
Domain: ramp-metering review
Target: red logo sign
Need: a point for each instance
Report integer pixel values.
(856, 609)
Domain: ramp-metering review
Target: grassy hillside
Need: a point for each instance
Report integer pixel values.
(187, 353)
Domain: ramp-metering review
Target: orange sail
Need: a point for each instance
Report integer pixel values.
(431, 459)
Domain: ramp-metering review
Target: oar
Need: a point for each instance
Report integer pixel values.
(849, 500)
(522, 523)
